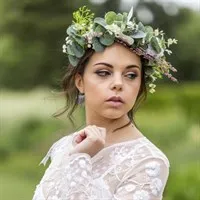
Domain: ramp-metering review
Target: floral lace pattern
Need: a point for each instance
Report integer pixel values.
(135, 170)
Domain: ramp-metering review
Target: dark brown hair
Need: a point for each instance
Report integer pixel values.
(71, 92)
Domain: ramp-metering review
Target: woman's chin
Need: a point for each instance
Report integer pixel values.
(113, 114)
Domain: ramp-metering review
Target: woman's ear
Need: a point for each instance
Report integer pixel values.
(79, 82)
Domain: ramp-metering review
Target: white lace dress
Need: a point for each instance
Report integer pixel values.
(131, 170)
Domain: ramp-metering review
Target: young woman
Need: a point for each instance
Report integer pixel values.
(112, 62)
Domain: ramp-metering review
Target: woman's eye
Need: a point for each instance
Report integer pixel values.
(102, 73)
(132, 76)
(105, 73)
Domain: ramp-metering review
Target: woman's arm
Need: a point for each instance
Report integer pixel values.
(145, 181)
(71, 179)
(70, 172)
(67, 177)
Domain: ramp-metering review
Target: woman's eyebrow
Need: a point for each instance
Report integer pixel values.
(109, 65)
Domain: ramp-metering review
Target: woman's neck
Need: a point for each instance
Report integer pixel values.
(126, 133)
(109, 124)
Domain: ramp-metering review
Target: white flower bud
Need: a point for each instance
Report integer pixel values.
(156, 32)
(152, 90)
(151, 85)
(89, 45)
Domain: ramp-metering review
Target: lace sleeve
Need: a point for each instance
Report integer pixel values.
(146, 181)
(67, 177)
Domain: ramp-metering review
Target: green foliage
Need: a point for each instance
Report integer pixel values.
(186, 55)
(71, 30)
(107, 39)
(32, 35)
(22, 188)
(149, 31)
(139, 35)
(184, 183)
(99, 28)
(73, 60)
(100, 21)
(83, 17)
(141, 27)
(77, 50)
(79, 40)
(97, 46)
(110, 17)
(155, 44)
(189, 99)
(124, 28)
(70, 51)
(28, 135)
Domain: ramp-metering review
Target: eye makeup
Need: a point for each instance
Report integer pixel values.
(104, 73)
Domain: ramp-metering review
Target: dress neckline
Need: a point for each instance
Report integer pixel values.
(117, 144)
(124, 142)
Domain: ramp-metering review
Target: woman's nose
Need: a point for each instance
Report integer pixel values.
(117, 82)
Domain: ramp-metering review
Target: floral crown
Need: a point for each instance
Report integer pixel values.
(87, 32)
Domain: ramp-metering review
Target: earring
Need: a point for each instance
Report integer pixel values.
(81, 98)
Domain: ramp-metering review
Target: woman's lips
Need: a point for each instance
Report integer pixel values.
(115, 98)
(114, 103)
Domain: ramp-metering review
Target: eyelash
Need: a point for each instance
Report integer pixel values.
(100, 72)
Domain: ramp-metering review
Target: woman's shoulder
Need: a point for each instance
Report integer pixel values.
(154, 151)
(59, 147)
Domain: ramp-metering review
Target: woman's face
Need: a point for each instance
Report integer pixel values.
(114, 72)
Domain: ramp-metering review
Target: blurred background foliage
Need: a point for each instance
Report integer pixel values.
(31, 67)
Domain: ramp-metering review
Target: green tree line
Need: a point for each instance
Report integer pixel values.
(32, 34)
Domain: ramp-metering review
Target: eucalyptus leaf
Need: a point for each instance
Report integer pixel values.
(139, 34)
(148, 36)
(71, 31)
(125, 17)
(80, 40)
(97, 46)
(119, 17)
(129, 40)
(69, 50)
(100, 29)
(119, 23)
(107, 39)
(100, 21)
(73, 60)
(110, 17)
(155, 45)
(123, 26)
(77, 49)
(141, 27)
(149, 29)
(163, 44)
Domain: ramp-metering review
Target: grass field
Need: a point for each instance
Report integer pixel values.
(16, 188)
